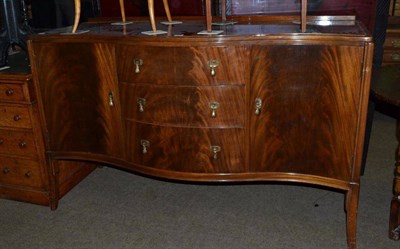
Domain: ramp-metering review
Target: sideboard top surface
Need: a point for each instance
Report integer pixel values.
(248, 27)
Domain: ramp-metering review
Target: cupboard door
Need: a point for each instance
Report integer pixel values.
(79, 93)
(308, 99)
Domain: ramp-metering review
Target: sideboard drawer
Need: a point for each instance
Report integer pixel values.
(17, 143)
(19, 172)
(186, 149)
(201, 106)
(12, 92)
(13, 116)
(183, 65)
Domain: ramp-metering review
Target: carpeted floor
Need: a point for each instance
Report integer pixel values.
(114, 209)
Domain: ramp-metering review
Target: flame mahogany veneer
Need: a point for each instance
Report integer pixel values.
(282, 106)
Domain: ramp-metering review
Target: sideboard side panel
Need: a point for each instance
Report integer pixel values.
(80, 99)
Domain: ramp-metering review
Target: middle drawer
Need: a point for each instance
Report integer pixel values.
(17, 143)
(15, 116)
(189, 106)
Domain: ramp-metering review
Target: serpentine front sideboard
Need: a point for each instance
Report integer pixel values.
(262, 101)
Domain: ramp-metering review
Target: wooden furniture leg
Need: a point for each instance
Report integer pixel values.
(167, 12)
(223, 10)
(208, 15)
(303, 16)
(351, 215)
(77, 15)
(122, 6)
(151, 14)
(394, 221)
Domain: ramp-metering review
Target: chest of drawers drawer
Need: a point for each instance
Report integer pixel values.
(17, 143)
(12, 92)
(186, 149)
(15, 116)
(20, 172)
(183, 65)
(201, 106)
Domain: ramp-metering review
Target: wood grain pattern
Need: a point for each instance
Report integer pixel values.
(184, 105)
(20, 143)
(186, 149)
(15, 116)
(76, 80)
(310, 109)
(183, 65)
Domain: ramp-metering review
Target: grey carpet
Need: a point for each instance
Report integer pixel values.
(114, 209)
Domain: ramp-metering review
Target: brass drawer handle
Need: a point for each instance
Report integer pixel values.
(213, 106)
(110, 99)
(141, 102)
(214, 150)
(213, 64)
(138, 63)
(396, 57)
(145, 145)
(258, 106)
(17, 117)
(6, 170)
(9, 91)
(22, 144)
(396, 43)
(28, 174)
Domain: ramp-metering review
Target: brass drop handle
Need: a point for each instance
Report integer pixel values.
(6, 170)
(138, 63)
(145, 145)
(213, 64)
(258, 105)
(214, 106)
(396, 57)
(28, 174)
(214, 150)
(396, 43)
(111, 99)
(22, 144)
(141, 102)
(9, 91)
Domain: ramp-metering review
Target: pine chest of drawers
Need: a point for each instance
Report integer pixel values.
(262, 102)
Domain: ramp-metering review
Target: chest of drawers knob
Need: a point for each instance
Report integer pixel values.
(6, 170)
(22, 144)
(28, 174)
(9, 91)
(17, 117)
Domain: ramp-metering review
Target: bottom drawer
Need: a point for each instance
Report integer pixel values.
(20, 172)
(180, 149)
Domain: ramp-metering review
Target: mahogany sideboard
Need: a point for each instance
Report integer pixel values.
(261, 101)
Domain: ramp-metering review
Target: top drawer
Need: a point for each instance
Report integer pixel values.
(12, 92)
(183, 65)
